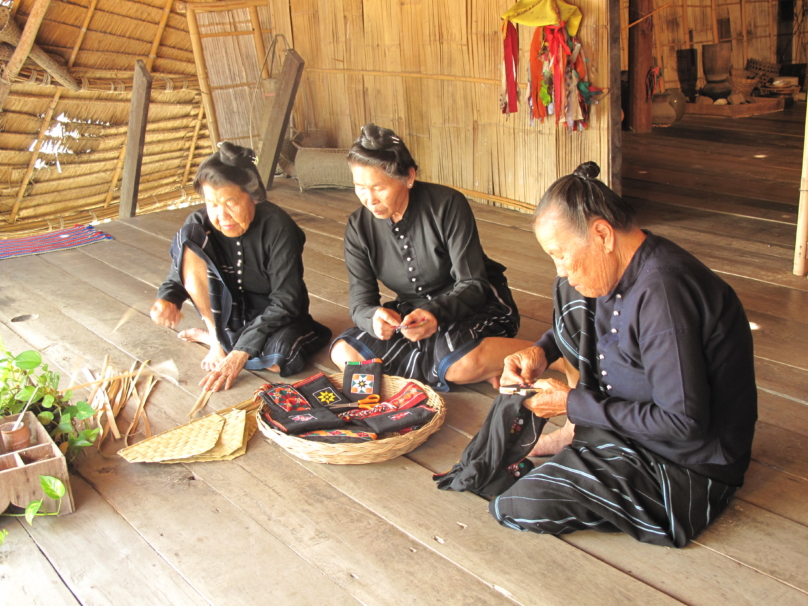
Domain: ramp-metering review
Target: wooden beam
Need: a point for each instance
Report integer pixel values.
(135, 138)
(685, 25)
(801, 247)
(10, 33)
(159, 35)
(745, 26)
(202, 74)
(278, 122)
(615, 173)
(714, 16)
(24, 46)
(640, 62)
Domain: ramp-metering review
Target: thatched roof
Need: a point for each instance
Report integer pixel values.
(61, 149)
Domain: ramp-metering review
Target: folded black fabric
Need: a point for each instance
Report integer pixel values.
(362, 380)
(350, 434)
(319, 392)
(398, 419)
(283, 398)
(491, 461)
(301, 421)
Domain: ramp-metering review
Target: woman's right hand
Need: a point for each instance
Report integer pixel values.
(165, 313)
(524, 367)
(385, 322)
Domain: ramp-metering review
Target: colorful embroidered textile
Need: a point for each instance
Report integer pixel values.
(340, 436)
(301, 421)
(509, 93)
(362, 380)
(319, 391)
(62, 239)
(410, 395)
(284, 397)
(399, 419)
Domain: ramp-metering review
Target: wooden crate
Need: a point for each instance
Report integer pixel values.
(20, 470)
(758, 106)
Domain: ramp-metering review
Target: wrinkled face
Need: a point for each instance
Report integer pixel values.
(589, 264)
(381, 194)
(230, 208)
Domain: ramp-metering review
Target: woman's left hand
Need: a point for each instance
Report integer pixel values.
(420, 324)
(226, 371)
(551, 401)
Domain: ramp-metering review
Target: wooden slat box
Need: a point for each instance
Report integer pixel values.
(20, 470)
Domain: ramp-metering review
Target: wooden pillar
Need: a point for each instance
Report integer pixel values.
(685, 25)
(278, 122)
(745, 27)
(135, 138)
(714, 16)
(202, 74)
(801, 247)
(615, 175)
(640, 62)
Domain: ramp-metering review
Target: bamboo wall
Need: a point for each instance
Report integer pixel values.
(430, 70)
(753, 27)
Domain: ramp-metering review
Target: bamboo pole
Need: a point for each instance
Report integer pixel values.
(773, 5)
(714, 15)
(239, 33)
(160, 29)
(204, 7)
(191, 152)
(24, 47)
(685, 25)
(202, 74)
(641, 19)
(745, 27)
(260, 51)
(82, 32)
(802, 214)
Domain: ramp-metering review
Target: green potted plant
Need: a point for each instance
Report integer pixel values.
(26, 382)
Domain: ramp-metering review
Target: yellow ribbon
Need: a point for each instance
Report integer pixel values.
(537, 13)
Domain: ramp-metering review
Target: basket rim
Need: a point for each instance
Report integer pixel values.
(374, 451)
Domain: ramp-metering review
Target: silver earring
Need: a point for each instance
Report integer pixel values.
(409, 185)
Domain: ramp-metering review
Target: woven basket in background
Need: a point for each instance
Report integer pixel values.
(322, 168)
(365, 452)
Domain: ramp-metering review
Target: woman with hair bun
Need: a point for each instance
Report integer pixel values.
(240, 262)
(665, 405)
(453, 317)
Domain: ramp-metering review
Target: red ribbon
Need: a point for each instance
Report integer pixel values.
(511, 60)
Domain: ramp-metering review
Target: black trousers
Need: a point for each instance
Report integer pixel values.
(604, 481)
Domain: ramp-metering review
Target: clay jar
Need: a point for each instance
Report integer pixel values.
(677, 101)
(662, 114)
(717, 60)
(15, 439)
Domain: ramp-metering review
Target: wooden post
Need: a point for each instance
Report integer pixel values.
(282, 104)
(135, 138)
(615, 174)
(714, 15)
(745, 26)
(260, 51)
(801, 247)
(773, 4)
(685, 25)
(640, 49)
(24, 47)
(202, 74)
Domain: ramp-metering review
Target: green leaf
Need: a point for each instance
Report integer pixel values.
(28, 360)
(67, 395)
(90, 434)
(72, 410)
(45, 417)
(48, 401)
(31, 511)
(53, 487)
(3, 535)
(83, 411)
(25, 393)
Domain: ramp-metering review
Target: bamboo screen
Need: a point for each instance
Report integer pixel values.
(430, 70)
(753, 26)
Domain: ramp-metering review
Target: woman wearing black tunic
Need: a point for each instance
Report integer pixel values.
(240, 262)
(453, 317)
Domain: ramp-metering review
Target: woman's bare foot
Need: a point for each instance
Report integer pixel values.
(195, 335)
(552, 443)
(215, 355)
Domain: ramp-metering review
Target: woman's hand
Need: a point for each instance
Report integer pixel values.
(524, 366)
(420, 324)
(165, 313)
(385, 322)
(551, 401)
(226, 371)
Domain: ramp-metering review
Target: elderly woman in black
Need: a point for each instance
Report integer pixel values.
(240, 262)
(453, 317)
(665, 408)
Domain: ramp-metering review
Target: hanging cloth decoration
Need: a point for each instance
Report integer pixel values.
(508, 94)
(557, 78)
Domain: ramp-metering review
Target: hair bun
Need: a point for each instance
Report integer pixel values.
(377, 138)
(235, 155)
(587, 170)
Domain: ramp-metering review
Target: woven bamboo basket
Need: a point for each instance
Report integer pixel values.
(765, 71)
(366, 452)
(743, 81)
(322, 168)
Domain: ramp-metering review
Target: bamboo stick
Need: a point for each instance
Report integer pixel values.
(202, 74)
(204, 7)
(646, 16)
(82, 32)
(238, 33)
(685, 25)
(116, 174)
(24, 47)
(201, 402)
(773, 6)
(745, 27)
(260, 51)
(192, 150)
(365, 72)
(801, 246)
(159, 35)
(714, 15)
